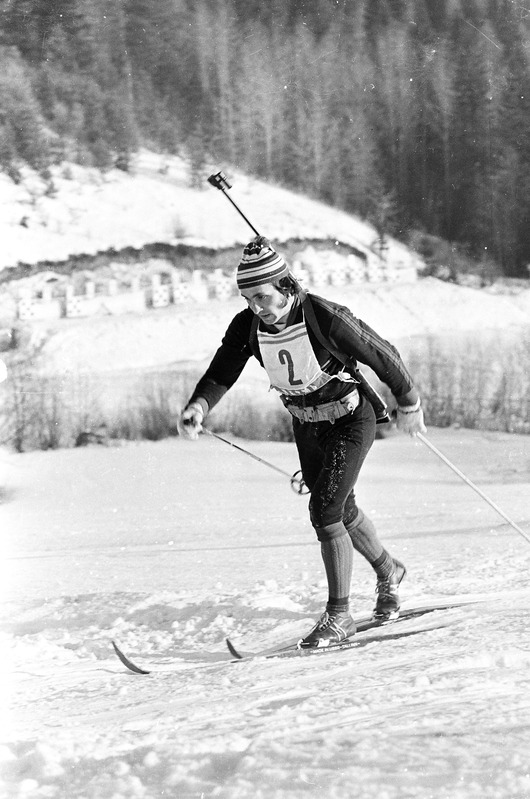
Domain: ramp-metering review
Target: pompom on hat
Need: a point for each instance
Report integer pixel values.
(260, 264)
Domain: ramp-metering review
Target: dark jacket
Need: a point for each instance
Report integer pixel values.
(347, 335)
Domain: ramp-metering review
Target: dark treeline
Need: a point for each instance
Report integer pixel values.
(411, 113)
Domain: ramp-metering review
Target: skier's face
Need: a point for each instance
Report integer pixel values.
(268, 303)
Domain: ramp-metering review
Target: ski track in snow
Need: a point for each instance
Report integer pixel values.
(169, 547)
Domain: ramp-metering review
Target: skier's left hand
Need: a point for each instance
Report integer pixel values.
(410, 419)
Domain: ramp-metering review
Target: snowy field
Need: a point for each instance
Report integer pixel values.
(168, 547)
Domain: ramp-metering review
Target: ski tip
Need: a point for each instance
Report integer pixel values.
(233, 651)
(126, 662)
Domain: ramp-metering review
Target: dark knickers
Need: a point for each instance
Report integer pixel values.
(331, 456)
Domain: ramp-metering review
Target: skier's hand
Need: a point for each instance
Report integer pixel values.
(190, 421)
(409, 419)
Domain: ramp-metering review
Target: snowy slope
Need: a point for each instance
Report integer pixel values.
(169, 547)
(84, 211)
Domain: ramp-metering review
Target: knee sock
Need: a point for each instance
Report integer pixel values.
(337, 555)
(365, 540)
(384, 566)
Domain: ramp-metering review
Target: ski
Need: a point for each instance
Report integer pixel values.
(364, 624)
(128, 663)
(294, 651)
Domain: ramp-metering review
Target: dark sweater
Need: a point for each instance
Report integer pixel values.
(347, 335)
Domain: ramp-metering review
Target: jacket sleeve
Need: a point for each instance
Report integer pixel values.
(360, 343)
(227, 363)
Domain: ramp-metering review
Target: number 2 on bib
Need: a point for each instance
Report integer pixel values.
(285, 357)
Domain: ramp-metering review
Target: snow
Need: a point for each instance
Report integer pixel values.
(169, 547)
(83, 211)
(162, 338)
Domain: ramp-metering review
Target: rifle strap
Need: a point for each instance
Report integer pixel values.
(377, 402)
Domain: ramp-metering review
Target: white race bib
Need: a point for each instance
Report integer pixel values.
(290, 361)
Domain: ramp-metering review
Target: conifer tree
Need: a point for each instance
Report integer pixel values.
(22, 136)
(414, 113)
(512, 178)
(469, 140)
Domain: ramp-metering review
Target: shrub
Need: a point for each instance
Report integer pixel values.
(478, 380)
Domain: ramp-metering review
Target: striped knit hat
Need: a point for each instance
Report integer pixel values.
(260, 264)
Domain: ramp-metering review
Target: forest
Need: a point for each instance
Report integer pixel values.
(413, 114)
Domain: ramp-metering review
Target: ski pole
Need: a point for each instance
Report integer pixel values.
(472, 485)
(220, 182)
(297, 482)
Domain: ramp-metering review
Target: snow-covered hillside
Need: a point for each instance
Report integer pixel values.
(84, 211)
(87, 212)
(168, 547)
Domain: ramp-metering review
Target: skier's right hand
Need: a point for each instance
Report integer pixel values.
(190, 421)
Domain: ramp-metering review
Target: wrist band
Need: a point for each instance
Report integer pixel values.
(410, 408)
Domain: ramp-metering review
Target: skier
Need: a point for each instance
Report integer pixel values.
(310, 347)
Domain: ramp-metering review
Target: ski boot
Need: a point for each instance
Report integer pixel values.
(332, 628)
(387, 603)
